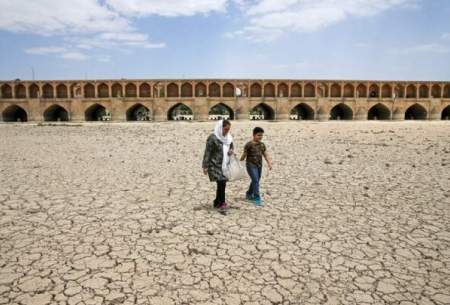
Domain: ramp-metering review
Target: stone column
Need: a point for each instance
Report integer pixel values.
(118, 110)
(200, 109)
(13, 90)
(242, 109)
(27, 91)
(35, 113)
(159, 110)
(82, 89)
(54, 90)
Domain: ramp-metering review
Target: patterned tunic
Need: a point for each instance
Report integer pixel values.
(213, 157)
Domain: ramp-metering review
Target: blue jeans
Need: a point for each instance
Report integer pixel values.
(255, 174)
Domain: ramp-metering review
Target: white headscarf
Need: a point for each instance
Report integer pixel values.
(226, 141)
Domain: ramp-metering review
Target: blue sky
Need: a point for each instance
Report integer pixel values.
(325, 39)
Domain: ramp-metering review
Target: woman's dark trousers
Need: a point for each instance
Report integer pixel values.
(220, 193)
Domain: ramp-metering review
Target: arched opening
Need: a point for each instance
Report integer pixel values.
(172, 90)
(400, 91)
(117, 90)
(283, 90)
(228, 90)
(416, 112)
(386, 91)
(61, 91)
(241, 89)
(361, 91)
(33, 91)
(89, 91)
(75, 90)
(186, 90)
(221, 111)
(262, 112)
(436, 91)
(138, 112)
(379, 112)
(322, 90)
(200, 90)
(302, 112)
(144, 90)
(130, 90)
(423, 91)
(269, 90)
(447, 91)
(14, 113)
(47, 91)
(310, 90)
(103, 90)
(96, 112)
(56, 113)
(335, 90)
(20, 91)
(255, 90)
(296, 90)
(180, 112)
(374, 91)
(214, 90)
(411, 91)
(341, 112)
(446, 113)
(349, 90)
(6, 91)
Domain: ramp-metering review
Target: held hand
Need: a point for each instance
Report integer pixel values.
(230, 152)
(270, 166)
(205, 171)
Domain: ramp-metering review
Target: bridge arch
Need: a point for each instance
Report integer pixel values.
(95, 112)
(302, 111)
(416, 112)
(221, 110)
(14, 113)
(379, 112)
(138, 112)
(56, 113)
(180, 112)
(341, 112)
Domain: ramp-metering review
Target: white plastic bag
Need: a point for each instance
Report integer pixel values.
(235, 169)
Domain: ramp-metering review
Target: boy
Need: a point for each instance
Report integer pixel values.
(253, 153)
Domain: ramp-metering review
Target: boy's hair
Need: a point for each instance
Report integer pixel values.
(226, 123)
(257, 130)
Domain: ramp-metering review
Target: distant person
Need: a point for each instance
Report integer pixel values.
(254, 150)
(219, 147)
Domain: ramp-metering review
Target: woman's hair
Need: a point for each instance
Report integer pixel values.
(226, 123)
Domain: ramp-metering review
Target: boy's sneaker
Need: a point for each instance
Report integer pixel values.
(249, 197)
(257, 201)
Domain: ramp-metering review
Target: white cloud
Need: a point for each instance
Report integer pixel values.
(425, 48)
(276, 17)
(83, 25)
(74, 56)
(61, 52)
(45, 50)
(50, 17)
(170, 8)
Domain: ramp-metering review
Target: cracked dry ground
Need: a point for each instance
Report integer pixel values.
(355, 213)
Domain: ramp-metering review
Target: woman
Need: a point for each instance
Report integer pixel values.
(219, 148)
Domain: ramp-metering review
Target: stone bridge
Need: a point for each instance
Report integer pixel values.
(161, 100)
